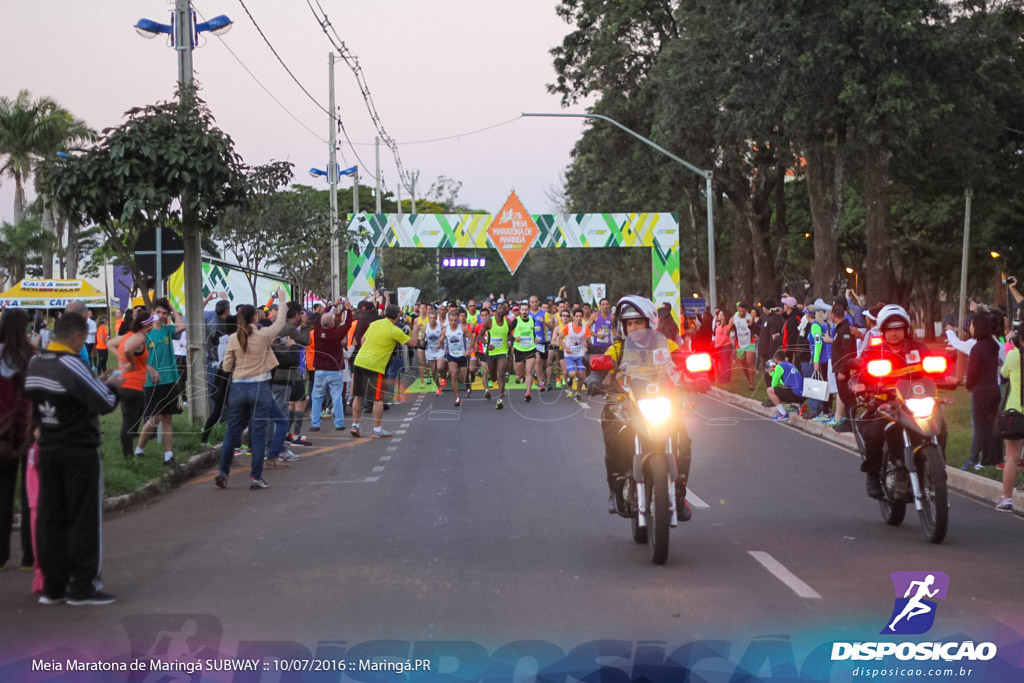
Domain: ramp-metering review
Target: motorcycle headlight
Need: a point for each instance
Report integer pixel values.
(921, 407)
(655, 410)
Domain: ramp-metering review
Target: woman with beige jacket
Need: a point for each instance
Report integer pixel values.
(250, 360)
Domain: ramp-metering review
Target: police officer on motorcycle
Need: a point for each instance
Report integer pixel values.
(906, 355)
(637, 313)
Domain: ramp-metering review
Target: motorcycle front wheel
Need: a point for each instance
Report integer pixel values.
(934, 513)
(656, 480)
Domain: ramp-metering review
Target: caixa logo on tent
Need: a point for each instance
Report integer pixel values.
(913, 613)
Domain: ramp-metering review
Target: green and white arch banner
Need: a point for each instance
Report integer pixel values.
(658, 232)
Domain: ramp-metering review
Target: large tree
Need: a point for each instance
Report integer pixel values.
(32, 132)
(141, 173)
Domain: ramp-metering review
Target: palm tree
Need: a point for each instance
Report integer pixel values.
(33, 131)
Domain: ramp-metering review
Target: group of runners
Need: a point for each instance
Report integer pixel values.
(546, 344)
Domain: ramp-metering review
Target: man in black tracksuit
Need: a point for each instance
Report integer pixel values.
(67, 402)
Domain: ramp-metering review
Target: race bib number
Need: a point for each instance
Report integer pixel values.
(497, 342)
(525, 341)
(576, 351)
(456, 347)
(603, 336)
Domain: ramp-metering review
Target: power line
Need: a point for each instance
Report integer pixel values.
(449, 137)
(353, 65)
(265, 40)
(260, 83)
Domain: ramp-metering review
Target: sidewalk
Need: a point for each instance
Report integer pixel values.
(964, 482)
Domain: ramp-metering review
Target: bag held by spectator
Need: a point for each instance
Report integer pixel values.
(815, 387)
(1010, 423)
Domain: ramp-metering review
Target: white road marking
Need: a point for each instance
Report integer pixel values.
(385, 458)
(695, 500)
(379, 468)
(371, 479)
(392, 448)
(784, 575)
(396, 439)
(399, 431)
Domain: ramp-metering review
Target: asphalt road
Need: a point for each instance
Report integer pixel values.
(485, 526)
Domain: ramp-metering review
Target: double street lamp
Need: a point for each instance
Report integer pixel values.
(183, 32)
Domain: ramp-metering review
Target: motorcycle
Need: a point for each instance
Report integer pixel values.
(644, 398)
(913, 466)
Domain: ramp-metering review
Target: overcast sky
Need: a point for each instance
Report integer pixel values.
(435, 68)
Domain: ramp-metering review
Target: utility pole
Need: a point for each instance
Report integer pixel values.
(355, 194)
(332, 175)
(412, 188)
(963, 279)
(377, 143)
(399, 198)
(198, 386)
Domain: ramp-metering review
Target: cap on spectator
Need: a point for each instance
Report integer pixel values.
(871, 313)
(365, 306)
(317, 305)
(808, 311)
(501, 299)
(515, 308)
(790, 301)
(272, 307)
(559, 300)
(151, 320)
(820, 305)
(524, 302)
(769, 303)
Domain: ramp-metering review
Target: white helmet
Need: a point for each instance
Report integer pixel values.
(891, 316)
(636, 307)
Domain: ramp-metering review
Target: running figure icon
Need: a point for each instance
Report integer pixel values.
(915, 606)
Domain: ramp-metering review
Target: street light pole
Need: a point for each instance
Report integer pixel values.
(332, 174)
(706, 174)
(963, 279)
(198, 389)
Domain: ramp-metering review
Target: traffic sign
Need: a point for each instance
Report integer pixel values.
(159, 252)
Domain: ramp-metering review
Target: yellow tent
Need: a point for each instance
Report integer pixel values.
(52, 294)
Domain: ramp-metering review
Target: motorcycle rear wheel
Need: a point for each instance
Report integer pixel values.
(656, 480)
(934, 513)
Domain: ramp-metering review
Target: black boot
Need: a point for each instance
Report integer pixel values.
(874, 487)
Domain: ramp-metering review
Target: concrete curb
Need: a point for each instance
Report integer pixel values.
(963, 482)
(155, 487)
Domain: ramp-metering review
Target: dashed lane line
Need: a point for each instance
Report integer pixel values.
(784, 575)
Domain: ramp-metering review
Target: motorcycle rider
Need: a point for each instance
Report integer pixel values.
(906, 355)
(636, 313)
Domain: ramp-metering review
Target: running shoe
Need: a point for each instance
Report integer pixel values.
(289, 457)
(1002, 465)
(97, 598)
(355, 432)
(528, 398)
(579, 397)
(438, 391)
(444, 382)
(843, 427)
(314, 428)
(275, 464)
(301, 441)
(46, 600)
(779, 418)
(221, 480)
(326, 413)
(499, 404)
(469, 391)
(569, 394)
(380, 434)
(458, 402)
(822, 417)
(967, 465)
(487, 395)
(255, 483)
(831, 422)
(1005, 505)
